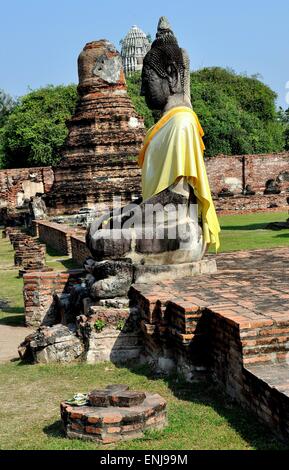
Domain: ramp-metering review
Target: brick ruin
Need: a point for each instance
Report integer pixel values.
(17, 187)
(239, 183)
(231, 172)
(20, 184)
(105, 135)
(236, 333)
(211, 326)
(59, 236)
(29, 253)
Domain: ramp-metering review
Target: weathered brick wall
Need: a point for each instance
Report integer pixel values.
(22, 183)
(55, 235)
(252, 203)
(59, 237)
(233, 172)
(267, 402)
(38, 291)
(225, 350)
(235, 352)
(239, 171)
(246, 353)
(260, 168)
(79, 249)
(222, 168)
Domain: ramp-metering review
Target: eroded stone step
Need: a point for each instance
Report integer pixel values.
(275, 377)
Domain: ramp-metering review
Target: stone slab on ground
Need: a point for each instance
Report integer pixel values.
(10, 338)
(144, 274)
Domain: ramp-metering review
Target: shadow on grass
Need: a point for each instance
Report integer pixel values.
(15, 320)
(204, 393)
(209, 394)
(15, 316)
(51, 251)
(55, 430)
(245, 227)
(71, 264)
(282, 235)
(68, 263)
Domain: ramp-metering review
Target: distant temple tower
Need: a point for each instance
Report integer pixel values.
(134, 47)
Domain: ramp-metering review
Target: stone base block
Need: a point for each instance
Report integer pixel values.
(113, 345)
(146, 274)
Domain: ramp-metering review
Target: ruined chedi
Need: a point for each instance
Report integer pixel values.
(105, 135)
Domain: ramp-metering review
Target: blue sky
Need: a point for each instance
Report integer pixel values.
(41, 39)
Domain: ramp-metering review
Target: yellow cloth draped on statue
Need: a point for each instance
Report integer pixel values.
(172, 149)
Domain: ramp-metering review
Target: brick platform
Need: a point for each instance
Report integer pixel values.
(233, 324)
(114, 414)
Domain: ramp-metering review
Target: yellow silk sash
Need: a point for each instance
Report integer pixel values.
(174, 148)
(164, 119)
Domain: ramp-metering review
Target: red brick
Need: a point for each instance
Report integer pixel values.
(131, 427)
(113, 430)
(93, 430)
(94, 420)
(76, 427)
(112, 418)
(76, 415)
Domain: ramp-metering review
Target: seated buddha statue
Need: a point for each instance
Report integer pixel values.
(173, 171)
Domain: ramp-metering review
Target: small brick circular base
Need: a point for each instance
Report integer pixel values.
(113, 415)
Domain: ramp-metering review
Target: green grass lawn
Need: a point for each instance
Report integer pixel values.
(57, 261)
(11, 297)
(199, 416)
(11, 285)
(248, 231)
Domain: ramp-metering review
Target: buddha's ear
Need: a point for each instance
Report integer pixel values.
(173, 77)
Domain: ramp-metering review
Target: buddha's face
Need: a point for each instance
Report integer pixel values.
(155, 89)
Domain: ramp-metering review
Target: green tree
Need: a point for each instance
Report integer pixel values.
(237, 112)
(149, 37)
(284, 119)
(133, 88)
(287, 130)
(7, 104)
(35, 131)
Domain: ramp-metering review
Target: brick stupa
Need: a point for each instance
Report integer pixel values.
(105, 135)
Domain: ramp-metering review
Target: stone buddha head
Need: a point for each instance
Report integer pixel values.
(166, 72)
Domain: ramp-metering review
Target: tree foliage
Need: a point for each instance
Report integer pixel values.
(7, 104)
(133, 88)
(237, 112)
(35, 131)
(284, 119)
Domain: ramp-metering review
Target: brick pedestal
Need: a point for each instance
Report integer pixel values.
(113, 415)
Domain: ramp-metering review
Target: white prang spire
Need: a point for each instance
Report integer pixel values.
(133, 49)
